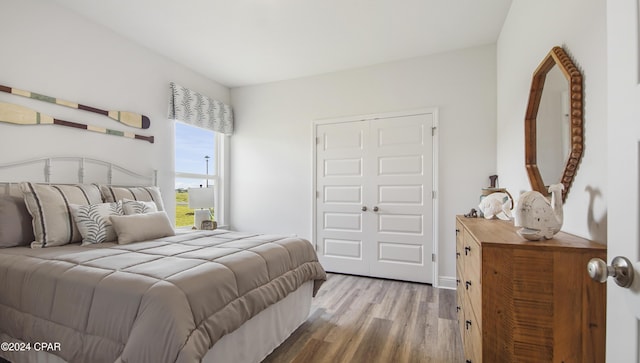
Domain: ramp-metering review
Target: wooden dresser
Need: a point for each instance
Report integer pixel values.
(524, 301)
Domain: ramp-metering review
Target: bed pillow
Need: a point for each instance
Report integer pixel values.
(15, 222)
(93, 221)
(138, 207)
(49, 206)
(142, 227)
(112, 194)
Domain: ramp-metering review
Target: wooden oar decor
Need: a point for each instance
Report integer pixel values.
(124, 117)
(20, 115)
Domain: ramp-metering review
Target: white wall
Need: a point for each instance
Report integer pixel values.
(49, 50)
(531, 29)
(271, 149)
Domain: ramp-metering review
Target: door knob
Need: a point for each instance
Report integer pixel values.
(375, 209)
(364, 208)
(621, 270)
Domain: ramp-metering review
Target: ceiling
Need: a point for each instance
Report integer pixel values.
(244, 42)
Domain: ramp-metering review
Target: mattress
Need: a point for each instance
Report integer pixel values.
(165, 300)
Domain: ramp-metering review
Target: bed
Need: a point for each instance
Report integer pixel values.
(211, 296)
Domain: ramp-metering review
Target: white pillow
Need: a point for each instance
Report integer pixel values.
(138, 207)
(93, 221)
(142, 227)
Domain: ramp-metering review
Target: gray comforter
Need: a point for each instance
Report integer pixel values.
(166, 300)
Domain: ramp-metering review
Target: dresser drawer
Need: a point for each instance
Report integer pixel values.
(460, 311)
(471, 255)
(472, 338)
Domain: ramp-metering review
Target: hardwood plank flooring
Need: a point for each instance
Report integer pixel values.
(358, 319)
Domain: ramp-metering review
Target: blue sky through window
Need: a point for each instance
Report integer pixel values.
(192, 145)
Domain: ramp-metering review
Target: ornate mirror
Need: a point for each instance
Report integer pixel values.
(553, 125)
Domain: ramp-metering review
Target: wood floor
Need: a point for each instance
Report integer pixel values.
(358, 319)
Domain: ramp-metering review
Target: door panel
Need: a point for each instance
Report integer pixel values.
(343, 194)
(348, 138)
(343, 221)
(400, 223)
(408, 135)
(400, 165)
(343, 248)
(400, 194)
(342, 167)
(400, 252)
(374, 205)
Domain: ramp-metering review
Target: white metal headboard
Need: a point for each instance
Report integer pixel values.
(81, 165)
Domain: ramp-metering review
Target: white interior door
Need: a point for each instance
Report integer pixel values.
(374, 197)
(340, 179)
(623, 238)
(400, 189)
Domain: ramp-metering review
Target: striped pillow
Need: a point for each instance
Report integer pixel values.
(49, 206)
(113, 194)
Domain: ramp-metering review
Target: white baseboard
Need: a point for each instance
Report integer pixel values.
(447, 282)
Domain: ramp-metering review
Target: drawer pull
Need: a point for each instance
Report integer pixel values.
(467, 324)
(457, 255)
(467, 250)
(457, 231)
(457, 282)
(467, 284)
(468, 361)
(457, 309)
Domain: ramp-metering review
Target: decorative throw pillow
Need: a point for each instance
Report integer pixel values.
(146, 194)
(49, 205)
(93, 221)
(138, 207)
(142, 227)
(15, 222)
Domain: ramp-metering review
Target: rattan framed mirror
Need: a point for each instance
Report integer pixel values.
(571, 134)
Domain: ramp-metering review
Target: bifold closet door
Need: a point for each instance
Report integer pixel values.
(374, 200)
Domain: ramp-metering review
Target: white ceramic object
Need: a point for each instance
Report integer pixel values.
(496, 205)
(538, 217)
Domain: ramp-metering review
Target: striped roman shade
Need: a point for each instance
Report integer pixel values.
(49, 206)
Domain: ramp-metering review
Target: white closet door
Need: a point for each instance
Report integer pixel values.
(401, 191)
(374, 203)
(340, 158)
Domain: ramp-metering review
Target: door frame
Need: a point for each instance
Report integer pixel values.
(434, 165)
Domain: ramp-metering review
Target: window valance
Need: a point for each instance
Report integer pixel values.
(199, 110)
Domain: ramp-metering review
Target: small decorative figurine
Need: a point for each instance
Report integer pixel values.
(208, 225)
(539, 217)
(496, 205)
(473, 213)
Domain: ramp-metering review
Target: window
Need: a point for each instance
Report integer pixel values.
(197, 165)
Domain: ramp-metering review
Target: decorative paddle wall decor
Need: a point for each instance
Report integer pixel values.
(20, 115)
(124, 117)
